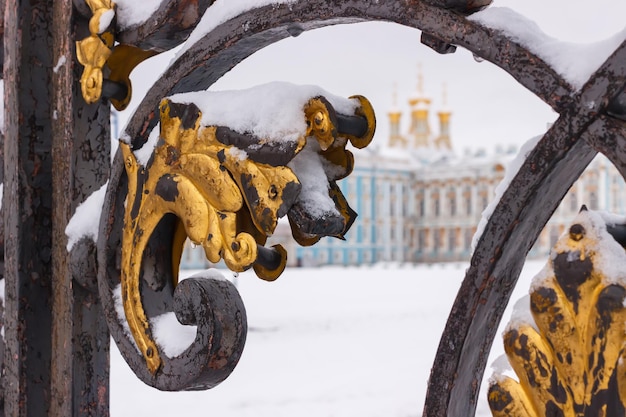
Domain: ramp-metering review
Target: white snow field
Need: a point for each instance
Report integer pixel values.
(326, 342)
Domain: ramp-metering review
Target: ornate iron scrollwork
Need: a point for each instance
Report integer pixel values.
(570, 358)
(225, 191)
(582, 129)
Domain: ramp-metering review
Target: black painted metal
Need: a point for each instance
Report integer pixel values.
(167, 27)
(113, 90)
(351, 125)
(608, 135)
(27, 207)
(90, 335)
(55, 333)
(268, 258)
(61, 152)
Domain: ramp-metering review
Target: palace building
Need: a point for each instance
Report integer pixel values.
(418, 200)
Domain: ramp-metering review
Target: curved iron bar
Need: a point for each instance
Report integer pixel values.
(536, 191)
(552, 167)
(169, 26)
(542, 181)
(608, 135)
(223, 48)
(212, 304)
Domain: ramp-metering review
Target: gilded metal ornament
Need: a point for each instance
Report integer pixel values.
(333, 131)
(227, 192)
(570, 360)
(99, 49)
(93, 51)
(189, 176)
(122, 62)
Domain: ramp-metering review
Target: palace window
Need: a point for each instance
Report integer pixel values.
(451, 240)
(484, 201)
(365, 205)
(437, 242)
(404, 200)
(467, 196)
(467, 239)
(436, 205)
(452, 205)
(573, 202)
(354, 256)
(593, 200)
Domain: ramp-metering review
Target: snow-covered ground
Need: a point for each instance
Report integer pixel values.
(325, 342)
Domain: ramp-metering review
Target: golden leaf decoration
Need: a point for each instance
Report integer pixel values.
(568, 360)
(227, 191)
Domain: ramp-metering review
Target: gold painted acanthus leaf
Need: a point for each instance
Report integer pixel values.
(570, 360)
(215, 184)
(263, 189)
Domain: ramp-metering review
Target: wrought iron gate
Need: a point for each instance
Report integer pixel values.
(59, 304)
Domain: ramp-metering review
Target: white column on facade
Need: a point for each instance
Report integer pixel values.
(476, 210)
(386, 219)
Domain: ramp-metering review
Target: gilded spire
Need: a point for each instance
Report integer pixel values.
(419, 132)
(444, 93)
(395, 138)
(394, 99)
(443, 140)
(419, 98)
(420, 79)
(444, 100)
(395, 93)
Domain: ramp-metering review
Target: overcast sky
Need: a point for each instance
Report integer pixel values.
(488, 106)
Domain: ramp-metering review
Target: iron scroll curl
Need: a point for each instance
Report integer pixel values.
(209, 302)
(196, 185)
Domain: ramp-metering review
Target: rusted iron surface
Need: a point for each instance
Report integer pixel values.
(498, 259)
(608, 135)
(28, 207)
(167, 27)
(61, 368)
(90, 335)
(462, 6)
(55, 335)
(87, 139)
